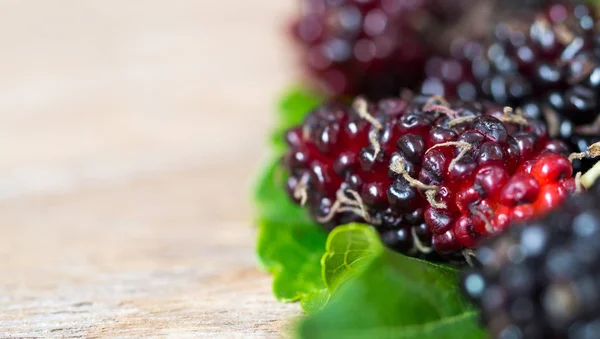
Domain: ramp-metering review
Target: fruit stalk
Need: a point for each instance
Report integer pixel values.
(591, 176)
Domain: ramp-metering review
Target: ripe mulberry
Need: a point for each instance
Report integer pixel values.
(541, 279)
(369, 47)
(546, 63)
(425, 172)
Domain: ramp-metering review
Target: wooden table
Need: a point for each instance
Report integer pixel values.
(130, 133)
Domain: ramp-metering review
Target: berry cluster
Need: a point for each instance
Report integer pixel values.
(541, 280)
(424, 171)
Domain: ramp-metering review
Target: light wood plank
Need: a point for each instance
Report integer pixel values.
(130, 132)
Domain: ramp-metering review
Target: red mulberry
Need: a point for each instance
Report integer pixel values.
(425, 172)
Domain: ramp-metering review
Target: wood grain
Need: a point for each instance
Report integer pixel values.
(130, 132)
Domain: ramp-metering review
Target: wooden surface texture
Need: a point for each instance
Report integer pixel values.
(130, 132)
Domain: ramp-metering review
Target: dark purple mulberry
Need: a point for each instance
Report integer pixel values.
(372, 48)
(546, 63)
(541, 280)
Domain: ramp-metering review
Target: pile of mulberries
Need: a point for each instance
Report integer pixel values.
(484, 143)
(465, 144)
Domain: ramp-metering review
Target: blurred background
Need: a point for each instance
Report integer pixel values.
(130, 132)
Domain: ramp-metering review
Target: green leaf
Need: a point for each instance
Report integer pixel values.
(396, 297)
(295, 104)
(292, 253)
(290, 245)
(349, 249)
(315, 301)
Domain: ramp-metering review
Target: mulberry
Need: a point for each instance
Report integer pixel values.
(425, 172)
(540, 279)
